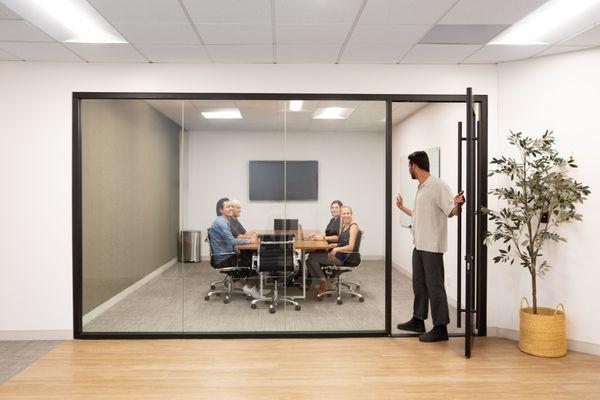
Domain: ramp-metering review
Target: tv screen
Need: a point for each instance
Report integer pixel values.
(267, 180)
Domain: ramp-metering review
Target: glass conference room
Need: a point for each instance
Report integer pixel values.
(154, 169)
(149, 171)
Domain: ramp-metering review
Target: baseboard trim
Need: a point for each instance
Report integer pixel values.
(451, 300)
(572, 345)
(37, 335)
(96, 312)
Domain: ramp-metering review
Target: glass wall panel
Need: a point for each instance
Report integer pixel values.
(130, 212)
(233, 150)
(335, 157)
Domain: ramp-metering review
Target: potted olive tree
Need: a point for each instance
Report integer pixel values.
(539, 197)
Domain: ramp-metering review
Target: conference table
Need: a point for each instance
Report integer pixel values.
(301, 242)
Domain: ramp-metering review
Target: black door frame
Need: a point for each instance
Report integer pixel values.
(77, 97)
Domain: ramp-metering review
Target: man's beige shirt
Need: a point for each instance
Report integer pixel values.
(433, 204)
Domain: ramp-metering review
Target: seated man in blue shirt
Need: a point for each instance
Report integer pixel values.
(223, 241)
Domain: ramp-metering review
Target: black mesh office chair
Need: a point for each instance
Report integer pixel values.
(351, 263)
(224, 263)
(276, 260)
(285, 224)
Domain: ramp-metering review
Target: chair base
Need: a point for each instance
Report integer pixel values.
(228, 291)
(338, 289)
(275, 300)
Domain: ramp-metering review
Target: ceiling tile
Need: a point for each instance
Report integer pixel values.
(589, 37)
(39, 51)
(241, 53)
(388, 34)
(21, 31)
(229, 11)
(374, 53)
(316, 11)
(8, 57)
(312, 33)
(404, 12)
(439, 53)
(106, 52)
(236, 33)
(6, 13)
(158, 33)
(462, 34)
(307, 53)
(140, 11)
(500, 53)
(174, 53)
(492, 12)
(562, 49)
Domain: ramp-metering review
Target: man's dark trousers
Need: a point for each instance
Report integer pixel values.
(428, 286)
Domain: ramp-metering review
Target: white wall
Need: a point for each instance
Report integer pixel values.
(351, 169)
(35, 152)
(435, 125)
(559, 93)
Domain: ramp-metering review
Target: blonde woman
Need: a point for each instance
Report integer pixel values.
(346, 242)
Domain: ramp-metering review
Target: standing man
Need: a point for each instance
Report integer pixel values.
(434, 204)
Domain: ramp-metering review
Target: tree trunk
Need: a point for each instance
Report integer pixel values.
(533, 292)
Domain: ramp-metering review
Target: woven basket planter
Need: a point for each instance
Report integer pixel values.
(542, 334)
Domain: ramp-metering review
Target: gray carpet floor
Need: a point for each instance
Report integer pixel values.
(174, 302)
(15, 356)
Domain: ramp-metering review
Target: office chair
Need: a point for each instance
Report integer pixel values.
(276, 259)
(351, 264)
(280, 224)
(224, 263)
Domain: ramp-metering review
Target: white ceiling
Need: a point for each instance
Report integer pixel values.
(269, 115)
(293, 31)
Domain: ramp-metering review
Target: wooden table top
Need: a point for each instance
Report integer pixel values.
(302, 240)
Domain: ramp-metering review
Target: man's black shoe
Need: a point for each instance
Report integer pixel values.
(414, 325)
(439, 333)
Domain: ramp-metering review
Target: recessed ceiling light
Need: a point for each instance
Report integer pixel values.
(227, 113)
(332, 113)
(74, 21)
(553, 21)
(296, 105)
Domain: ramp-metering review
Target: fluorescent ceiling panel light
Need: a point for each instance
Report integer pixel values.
(296, 105)
(73, 21)
(552, 22)
(332, 113)
(228, 113)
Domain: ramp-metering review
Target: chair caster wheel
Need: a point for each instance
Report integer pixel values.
(357, 288)
(361, 299)
(253, 306)
(206, 298)
(340, 302)
(272, 310)
(320, 298)
(212, 287)
(298, 308)
(226, 300)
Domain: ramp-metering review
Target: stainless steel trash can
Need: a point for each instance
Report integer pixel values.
(188, 249)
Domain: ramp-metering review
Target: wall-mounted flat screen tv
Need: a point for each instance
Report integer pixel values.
(267, 180)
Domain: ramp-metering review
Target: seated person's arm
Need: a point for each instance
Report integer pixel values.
(317, 236)
(228, 237)
(351, 244)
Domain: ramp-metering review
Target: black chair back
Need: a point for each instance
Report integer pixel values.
(220, 261)
(280, 224)
(276, 253)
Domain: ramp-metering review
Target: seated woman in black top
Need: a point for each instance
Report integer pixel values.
(333, 227)
(347, 241)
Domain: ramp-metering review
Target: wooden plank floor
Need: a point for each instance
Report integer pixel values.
(371, 368)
